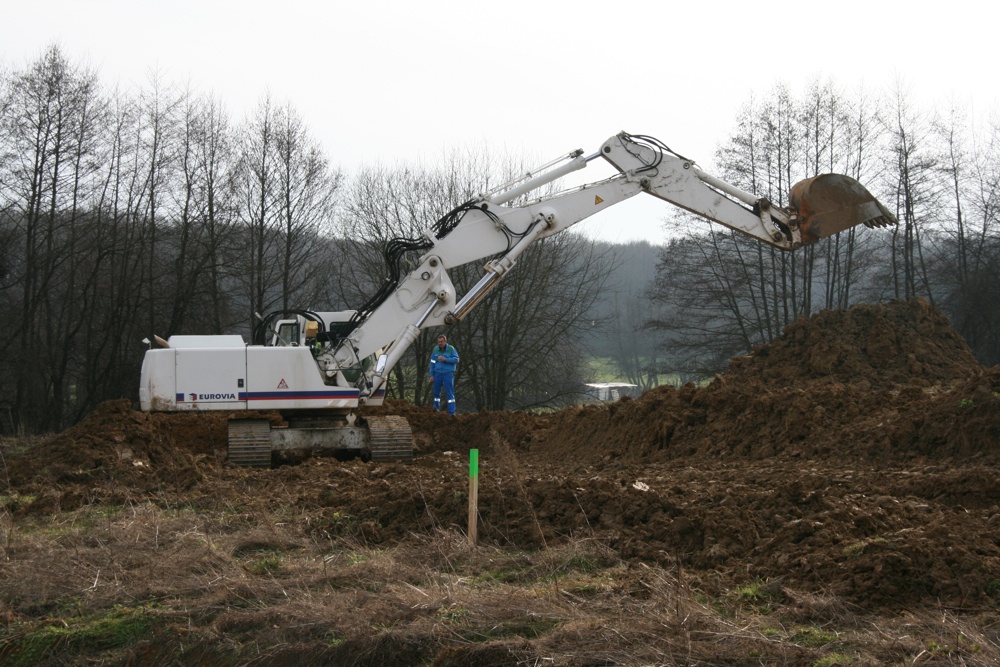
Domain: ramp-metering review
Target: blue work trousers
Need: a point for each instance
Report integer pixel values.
(446, 382)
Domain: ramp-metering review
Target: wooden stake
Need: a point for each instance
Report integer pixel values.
(473, 497)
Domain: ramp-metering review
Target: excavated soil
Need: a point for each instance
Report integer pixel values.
(853, 458)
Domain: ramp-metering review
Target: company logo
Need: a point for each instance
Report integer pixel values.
(213, 397)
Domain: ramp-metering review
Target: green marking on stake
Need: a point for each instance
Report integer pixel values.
(473, 497)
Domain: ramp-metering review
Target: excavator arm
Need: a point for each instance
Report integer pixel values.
(503, 225)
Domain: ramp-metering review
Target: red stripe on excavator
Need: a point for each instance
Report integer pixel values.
(298, 395)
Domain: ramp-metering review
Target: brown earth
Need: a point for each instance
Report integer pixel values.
(842, 477)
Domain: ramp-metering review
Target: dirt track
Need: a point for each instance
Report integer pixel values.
(850, 465)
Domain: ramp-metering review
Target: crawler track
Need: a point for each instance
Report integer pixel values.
(250, 443)
(391, 438)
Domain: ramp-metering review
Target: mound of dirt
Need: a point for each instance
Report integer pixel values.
(868, 346)
(861, 383)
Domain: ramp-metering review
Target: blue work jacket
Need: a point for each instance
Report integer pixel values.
(447, 366)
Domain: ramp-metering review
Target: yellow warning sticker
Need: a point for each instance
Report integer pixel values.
(597, 200)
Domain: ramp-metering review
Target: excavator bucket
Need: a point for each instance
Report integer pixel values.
(830, 203)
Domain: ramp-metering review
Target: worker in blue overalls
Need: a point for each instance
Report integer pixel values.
(444, 360)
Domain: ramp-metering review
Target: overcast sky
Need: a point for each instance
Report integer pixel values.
(396, 81)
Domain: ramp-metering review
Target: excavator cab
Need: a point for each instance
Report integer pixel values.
(830, 203)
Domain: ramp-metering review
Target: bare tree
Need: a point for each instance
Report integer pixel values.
(51, 122)
(305, 189)
(966, 274)
(283, 198)
(214, 164)
(189, 264)
(616, 330)
(521, 346)
(634, 351)
(913, 177)
(256, 191)
(158, 107)
(728, 292)
(860, 162)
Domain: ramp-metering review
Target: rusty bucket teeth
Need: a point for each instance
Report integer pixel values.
(880, 221)
(830, 203)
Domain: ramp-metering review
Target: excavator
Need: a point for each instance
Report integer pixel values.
(318, 368)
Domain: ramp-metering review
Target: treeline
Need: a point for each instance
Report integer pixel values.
(126, 214)
(129, 213)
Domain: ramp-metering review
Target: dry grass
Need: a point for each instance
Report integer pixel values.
(243, 588)
(247, 578)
